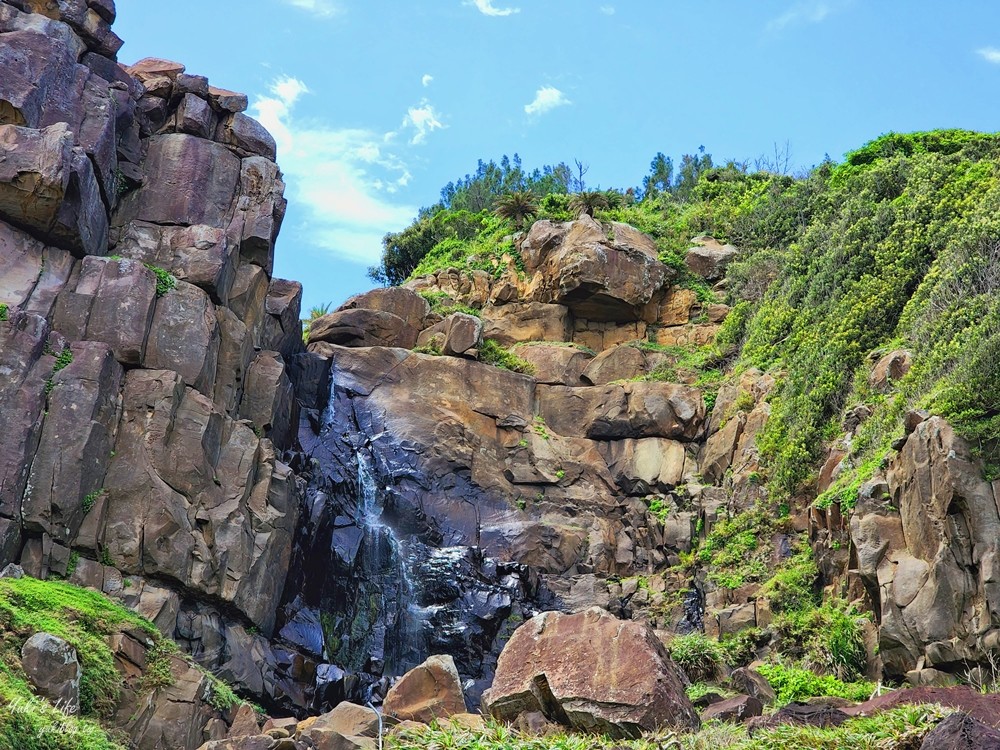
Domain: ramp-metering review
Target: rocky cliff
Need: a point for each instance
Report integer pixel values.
(446, 459)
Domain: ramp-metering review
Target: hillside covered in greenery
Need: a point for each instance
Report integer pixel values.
(898, 246)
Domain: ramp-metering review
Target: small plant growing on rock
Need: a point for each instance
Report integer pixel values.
(3, 311)
(540, 429)
(493, 354)
(90, 500)
(165, 281)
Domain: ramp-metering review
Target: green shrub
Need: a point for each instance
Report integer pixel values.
(3, 311)
(493, 354)
(164, 279)
(793, 684)
(699, 656)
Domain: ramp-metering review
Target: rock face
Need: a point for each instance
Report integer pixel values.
(145, 399)
(54, 670)
(927, 539)
(591, 672)
(959, 732)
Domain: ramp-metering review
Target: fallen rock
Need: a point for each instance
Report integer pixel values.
(890, 369)
(53, 670)
(346, 718)
(430, 691)
(753, 683)
(363, 327)
(736, 710)
(801, 714)
(592, 672)
(961, 732)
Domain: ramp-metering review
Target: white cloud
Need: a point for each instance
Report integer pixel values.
(341, 179)
(608, 10)
(546, 99)
(989, 54)
(426, 80)
(322, 8)
(487, 8)
(808, 11)
(422, 119)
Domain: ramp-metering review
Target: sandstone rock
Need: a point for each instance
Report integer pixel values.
(31, 273)
(530, 321)
(430, 691)
(961, 732)
(260, 209)
(737, 709)
(455, 336)
(227, 101)
(802, 714)
(53, 669)
(677, 307)
(709, 258)
(633, 410)
(698, 334)
(619, 363)
(643, 467)
(591, 672)
(363, 327)
(399, 301)
(890, 369)
(348, 719)
(555, 364)
(574, 264)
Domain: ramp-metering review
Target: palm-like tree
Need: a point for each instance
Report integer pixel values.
(517, 206)
(588, 201)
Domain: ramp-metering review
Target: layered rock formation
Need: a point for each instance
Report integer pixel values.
(145, 395)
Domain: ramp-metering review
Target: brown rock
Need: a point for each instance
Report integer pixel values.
(736, 710)
(592, 672)
(530, 321)
(227, 101)
(753, 683)
(430, 691)
(456, 335)
(348, 719)
(620, 363)
(363, 327)
(195, 116)
(200, 255)
(555, 364)
(709, 258)
(891, 368)
(282, 326)
(399, 301)
(801, 714)
(269, 399)
(260, 210)
(245, 722)
(676, 308)
(155, 67)
(576, 265)
(123, 296)
(643, 467)
(983, 706)
(31, 273)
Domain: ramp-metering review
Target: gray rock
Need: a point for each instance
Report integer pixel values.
(52, 667)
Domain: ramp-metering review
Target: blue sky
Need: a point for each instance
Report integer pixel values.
(376, 104)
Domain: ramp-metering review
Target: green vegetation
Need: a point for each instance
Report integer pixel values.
(63, 359)
(493, 354)
(90, 500)
(792, 684)
(896, 729)
(165, 281)
(315, 312)
(4, 311)
(699, 656)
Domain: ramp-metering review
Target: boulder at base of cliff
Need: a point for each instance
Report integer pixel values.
(592, 672)
(430, 691)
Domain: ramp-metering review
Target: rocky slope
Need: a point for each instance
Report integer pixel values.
(446, 459)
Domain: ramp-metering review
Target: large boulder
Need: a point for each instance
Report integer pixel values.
(400, 301)
(577, 265)
(592, 672)
(53, 669)
(432, 690)
(529, 321)
(363, 327)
